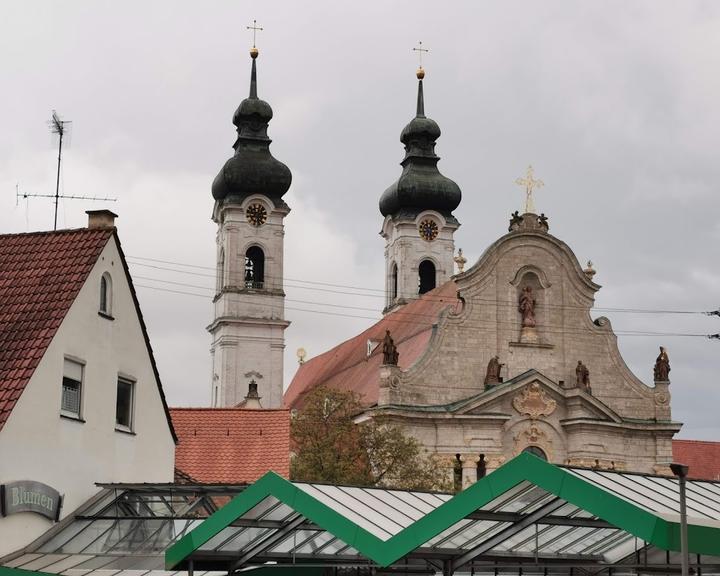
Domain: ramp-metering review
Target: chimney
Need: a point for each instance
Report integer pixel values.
(252, 400)
(101, 219)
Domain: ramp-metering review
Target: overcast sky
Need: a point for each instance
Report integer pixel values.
(616, 104)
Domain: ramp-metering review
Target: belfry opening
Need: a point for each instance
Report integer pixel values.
(254, 268)
(427, 276)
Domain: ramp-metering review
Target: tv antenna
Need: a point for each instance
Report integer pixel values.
(61, 128)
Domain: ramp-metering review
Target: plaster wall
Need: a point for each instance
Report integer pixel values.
(623, 423)
(455, 362)
(71, 455)
(405, 248)
(249, 321)
(497, 432)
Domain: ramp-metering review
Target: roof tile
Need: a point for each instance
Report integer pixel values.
(231, 445)
(702, 457)
(349, 367)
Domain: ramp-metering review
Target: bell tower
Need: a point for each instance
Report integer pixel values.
(419, 224)
(249, 317)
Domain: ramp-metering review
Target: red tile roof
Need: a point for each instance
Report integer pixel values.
(348, 367)
(703, 458)
(41, 274)
(231, 445)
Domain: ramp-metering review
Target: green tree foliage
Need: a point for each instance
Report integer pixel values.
(330, 447)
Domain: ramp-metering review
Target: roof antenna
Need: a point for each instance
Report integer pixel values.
(61, 128)
(57, 126)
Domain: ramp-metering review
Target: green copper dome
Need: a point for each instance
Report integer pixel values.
(253, 169)
(420, 186)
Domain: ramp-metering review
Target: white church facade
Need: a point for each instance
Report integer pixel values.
(478, 364)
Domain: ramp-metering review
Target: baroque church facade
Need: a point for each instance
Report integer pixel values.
(478, 365)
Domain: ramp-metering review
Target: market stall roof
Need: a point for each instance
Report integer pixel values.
(528, 515)
(124, 529)
(528, 508)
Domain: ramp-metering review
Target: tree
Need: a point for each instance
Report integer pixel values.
(330, 447)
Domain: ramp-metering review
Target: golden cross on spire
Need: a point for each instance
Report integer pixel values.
(420, 51)
(530, 184)
(254, 28)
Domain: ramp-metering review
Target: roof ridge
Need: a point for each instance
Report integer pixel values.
(228, 409)
(108, 230)
(717, 442)
(421, 329)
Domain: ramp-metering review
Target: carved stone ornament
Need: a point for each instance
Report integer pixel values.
(533, 436)
(534, 402)
(662, 398)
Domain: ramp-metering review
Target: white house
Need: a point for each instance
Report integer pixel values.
(80, 396)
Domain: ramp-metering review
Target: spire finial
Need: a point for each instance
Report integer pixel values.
(254, 51)
(419, 49)
(530, 184)
(420, 101)
(420, 75)
(253, 81)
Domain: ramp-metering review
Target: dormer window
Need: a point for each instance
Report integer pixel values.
(106, 295)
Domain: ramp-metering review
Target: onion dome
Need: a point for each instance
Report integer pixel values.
(420, 186)
(252, 170)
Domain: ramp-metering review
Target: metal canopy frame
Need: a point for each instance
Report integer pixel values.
(528, 517)
(527, 513)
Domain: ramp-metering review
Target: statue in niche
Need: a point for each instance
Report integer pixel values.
(515, 220)
(526, 307)
(662, 366)
(390, 352)
(582, 376)
(492, 376)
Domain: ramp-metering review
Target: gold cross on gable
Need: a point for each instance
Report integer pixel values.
(530, 184)
(254, 28)
(420, 51)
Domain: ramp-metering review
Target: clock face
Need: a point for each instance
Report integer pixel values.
(428, 230)
(256, 214)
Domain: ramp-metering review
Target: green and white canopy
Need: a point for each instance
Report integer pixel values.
(526, 510)
(528, 517)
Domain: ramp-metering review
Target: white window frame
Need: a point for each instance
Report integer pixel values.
(133, 383)
(70, 367)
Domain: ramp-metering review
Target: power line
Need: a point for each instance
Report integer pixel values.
(564, 331)
(214, 269)
(428, 297)
(401, 312)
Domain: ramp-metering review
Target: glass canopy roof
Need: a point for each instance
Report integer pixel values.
(527, 517)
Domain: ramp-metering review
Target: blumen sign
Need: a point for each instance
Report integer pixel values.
(29, 496)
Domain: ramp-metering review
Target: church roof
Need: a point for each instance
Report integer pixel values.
(702, 457)
(231, 445)
(348, 366)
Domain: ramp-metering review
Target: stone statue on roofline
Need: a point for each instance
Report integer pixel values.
(515, 221)
(492, 376)
(582, 376)
(390, 352)
(662, 366)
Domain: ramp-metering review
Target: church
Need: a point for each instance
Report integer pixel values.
(478, 363)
